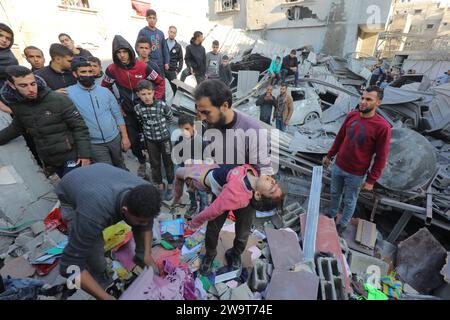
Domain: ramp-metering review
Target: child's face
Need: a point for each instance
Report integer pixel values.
(225, 62)
(215, 49)
(5, 39)
(151, 20)
(143, 50)
(188, 130)
(268, 187)
(146, 96)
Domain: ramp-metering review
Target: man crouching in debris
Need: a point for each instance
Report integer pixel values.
(363, 134)
(238, 140)
(94, 198)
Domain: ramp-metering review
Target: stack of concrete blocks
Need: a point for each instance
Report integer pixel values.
(289, 218)
(332, 285)
(259, 276)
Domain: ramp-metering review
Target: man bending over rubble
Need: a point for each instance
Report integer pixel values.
(94, 198)
(363, 134)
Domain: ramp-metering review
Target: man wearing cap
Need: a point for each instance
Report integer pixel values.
(100, 111)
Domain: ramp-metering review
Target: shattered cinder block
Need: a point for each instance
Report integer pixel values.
(332, 285)
(242, 292)
(419, 261)
(38, 227)
(259, 277)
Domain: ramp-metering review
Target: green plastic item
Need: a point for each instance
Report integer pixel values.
(374, 293)
(205, 282)
(166, 245)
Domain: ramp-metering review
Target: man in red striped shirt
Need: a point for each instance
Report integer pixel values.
(363, 135)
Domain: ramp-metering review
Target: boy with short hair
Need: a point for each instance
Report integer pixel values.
(7, 58)
(193, 144)
(225, 71)
(213, 61)
(153, 117)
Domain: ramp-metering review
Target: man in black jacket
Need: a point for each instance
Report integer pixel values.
(7, 58)
(267, 102)
(58, 74)
(61, 136)
(195, 59)
(176, 57)
(290, 67)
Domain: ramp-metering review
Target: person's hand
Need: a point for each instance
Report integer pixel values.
(192, 71)
(5, 108)
(62, 90)
(126, 144)
(84, 162)
(166, 66)
(150, 262)
(326, 161)
(109, 297)
(286, 122)
(367, 186)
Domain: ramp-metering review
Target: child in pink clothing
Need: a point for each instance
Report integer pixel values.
(234, 186)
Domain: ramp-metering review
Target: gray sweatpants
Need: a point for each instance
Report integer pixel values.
(110, 152)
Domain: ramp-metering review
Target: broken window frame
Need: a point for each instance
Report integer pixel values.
(77, 5)
(222, 8)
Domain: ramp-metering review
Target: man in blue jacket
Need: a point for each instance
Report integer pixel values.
(160, 52)
(100, 111)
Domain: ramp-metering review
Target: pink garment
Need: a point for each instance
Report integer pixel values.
(234, 195)
(179, 284)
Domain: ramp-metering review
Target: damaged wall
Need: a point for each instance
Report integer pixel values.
(329, 26)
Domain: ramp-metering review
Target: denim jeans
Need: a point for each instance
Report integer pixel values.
(287, 72)
(344, 186)
(279, 123)
(66, 168)
(202, 196)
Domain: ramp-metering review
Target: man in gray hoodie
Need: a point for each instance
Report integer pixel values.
(213, 61)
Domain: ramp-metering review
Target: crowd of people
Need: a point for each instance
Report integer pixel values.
(78, 120)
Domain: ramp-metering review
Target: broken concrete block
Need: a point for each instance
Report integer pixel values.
(361, 264)
(277, 221)
(419, 261)
(221, 288)
(331, 279)
(226, 295)
(5, 242)
(284, 248)
(23, 239)
(408, 289)
(259, 278)
(38, 228)
(366, 233)
(18, 268)
(287, 285)
(308, 266)
(242, 292)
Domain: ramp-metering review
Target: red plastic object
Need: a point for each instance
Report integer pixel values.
(231, 216)
(54, 220)
(44, 269)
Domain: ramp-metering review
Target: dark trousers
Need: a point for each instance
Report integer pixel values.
(289, 72)
(171, 75)
(244, 221)
(110, 153)
(187, 72)
(132, 126)
(66, 168)
(156, 151)
(275, 77)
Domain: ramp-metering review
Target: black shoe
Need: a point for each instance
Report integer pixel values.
(206, 265)
(340, 229)
(191, 211)
(233, 259)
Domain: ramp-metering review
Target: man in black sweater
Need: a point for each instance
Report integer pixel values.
(176, 57)
(290, 67)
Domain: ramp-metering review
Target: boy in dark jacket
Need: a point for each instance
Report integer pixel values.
(7, 58)
(176, 57)
(290, 67)
(225, 71)
(125, 73)
(153, 117)
(195, 59)
(61, 136)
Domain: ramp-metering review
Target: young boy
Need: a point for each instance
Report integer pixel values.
(153, 116)
(275, 70)
(225, 71)
(7, 58)
(96, 65)
(213, 60)
(190, 147)
(144, 51)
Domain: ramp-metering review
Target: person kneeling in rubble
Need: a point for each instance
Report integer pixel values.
(92, 199)
(234, 187)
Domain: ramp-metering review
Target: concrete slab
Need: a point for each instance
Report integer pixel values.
(350, 238)
(242, 292)
(17, 268)
(361, 263)
(29, 195)
(284, 248)
(286, 285)
(419, 261)
(446, 269)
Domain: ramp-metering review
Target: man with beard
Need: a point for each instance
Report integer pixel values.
(240, 140)
(363, 134)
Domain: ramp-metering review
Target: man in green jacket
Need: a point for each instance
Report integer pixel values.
(58, 130)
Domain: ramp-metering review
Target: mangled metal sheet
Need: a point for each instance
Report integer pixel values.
(319, 142)
(411, 161)
(438, 115)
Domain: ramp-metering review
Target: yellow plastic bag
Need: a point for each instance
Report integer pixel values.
(116, 235)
